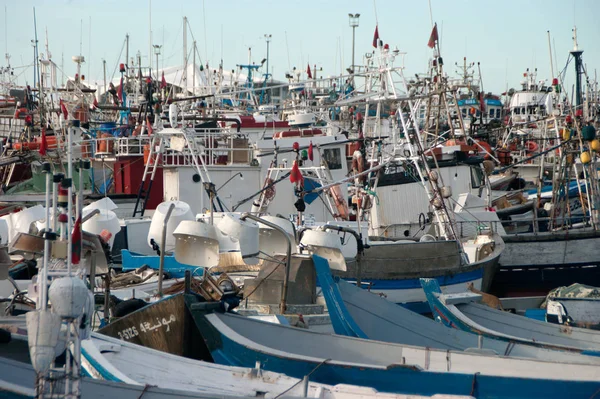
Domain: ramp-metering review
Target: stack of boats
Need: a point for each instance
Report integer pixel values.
(186, 245)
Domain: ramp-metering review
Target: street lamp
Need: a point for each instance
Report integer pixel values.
(268, 39)
(353, 20)
(157, 53)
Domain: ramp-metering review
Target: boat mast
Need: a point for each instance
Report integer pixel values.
(576, 53)
(185, 59)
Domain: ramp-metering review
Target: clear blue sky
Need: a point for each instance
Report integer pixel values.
(505, 36)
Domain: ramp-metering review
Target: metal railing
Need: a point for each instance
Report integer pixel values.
(215, 148)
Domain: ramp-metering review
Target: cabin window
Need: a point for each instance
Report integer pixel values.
(477, 177)
(333, 158)
(463, 111)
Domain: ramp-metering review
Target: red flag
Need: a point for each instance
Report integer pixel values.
(296, 174)
(163, 81)
(433, 37)
(149, 126)
(376, 36)
(43, 143)
(310, 151)
(120, 93)
(76, 242)
(63, 109)
(308, 72)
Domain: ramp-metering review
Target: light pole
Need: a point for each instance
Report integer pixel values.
(157, 53)
(353, 19)
(268, 39)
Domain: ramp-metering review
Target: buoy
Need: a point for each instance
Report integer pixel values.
(68, 296)
(566, 134)
(585, 157)
(588, 133)
(43, 328)
(63, 197)
(173, 114)
(531, 146)
(595, 145)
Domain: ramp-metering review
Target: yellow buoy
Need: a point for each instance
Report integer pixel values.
(595, 144)
(566, 134)
(585, 157)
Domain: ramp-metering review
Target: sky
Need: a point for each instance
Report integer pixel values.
(505, 37)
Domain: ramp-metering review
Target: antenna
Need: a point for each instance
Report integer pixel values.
(6, 37)
(204, 16)
(89, 47)
(80, 36)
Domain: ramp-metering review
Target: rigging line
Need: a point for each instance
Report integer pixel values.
(118, 58)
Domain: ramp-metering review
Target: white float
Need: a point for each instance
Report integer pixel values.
(196, 244)
(68, 296)
(327, 245)
(43, 328)
(105, 220)
(271, 241)
(246, 232)
(180, 213)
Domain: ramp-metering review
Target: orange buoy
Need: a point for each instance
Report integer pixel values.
(531, 146)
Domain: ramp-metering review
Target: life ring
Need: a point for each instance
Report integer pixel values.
(269, 192)
(340, 204)
(19, 112)
(531, 146)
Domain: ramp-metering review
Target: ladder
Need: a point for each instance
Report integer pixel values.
(156, 149)
(180, 140)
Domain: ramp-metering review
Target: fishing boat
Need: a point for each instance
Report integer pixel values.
(460, 311)
(574, 306)
(358, 313)
(239, 341)
(112, 359)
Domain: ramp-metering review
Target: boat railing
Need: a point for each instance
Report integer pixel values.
(11, 125)
(213, 146)
(547, 224)
(467, 227)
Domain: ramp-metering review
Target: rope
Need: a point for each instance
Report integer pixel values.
(145, 389)
(299, 381)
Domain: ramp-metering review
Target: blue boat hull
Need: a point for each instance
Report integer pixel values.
(133, 260)
(401, 379)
